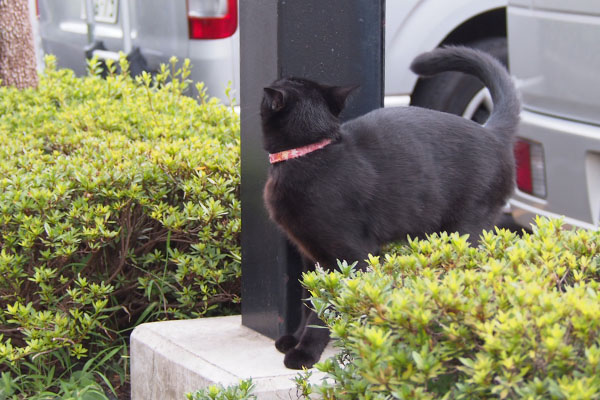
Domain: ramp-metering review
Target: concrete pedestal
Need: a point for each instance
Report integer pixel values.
(172, 358)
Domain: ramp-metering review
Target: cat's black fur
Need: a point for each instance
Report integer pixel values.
(389, 174)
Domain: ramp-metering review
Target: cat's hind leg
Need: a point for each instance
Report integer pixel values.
(285, 343)
(290, 340)
(315, 335)
(310, 346)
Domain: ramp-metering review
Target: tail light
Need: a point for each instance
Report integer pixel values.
(212, 19)
(531, 173)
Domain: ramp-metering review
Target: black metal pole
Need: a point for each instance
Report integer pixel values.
(338, 42)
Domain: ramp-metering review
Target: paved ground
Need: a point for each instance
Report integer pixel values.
(171, 358)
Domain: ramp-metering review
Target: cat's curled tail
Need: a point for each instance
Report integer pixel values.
(505, 115)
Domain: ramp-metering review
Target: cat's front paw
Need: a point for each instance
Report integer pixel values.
(285, 343)
(298, 359)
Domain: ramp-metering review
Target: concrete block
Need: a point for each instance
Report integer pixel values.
(172, 358)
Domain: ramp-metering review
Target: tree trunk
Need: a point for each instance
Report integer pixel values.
(17, 54)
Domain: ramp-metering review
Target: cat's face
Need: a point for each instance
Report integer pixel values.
(297, 111)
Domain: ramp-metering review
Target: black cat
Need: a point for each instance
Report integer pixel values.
(339, 191)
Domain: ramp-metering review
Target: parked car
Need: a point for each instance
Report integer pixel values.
(554, 52)
(205, 31)
(414, 26)
(149, 31)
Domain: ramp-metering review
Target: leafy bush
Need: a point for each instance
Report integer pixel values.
(515, 318)
(241, 391)
(119, 204)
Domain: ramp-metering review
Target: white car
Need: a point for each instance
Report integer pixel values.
(149, 31)
(205, 31)
(554, 49)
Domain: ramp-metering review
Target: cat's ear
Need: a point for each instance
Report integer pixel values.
(336, 97)
(275, 98)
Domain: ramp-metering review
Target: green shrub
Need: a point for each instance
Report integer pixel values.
(241, 391)
(119, 204)
(514, 318)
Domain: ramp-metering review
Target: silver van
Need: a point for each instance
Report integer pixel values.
(205, 31)
(554, 53)
(149, 31)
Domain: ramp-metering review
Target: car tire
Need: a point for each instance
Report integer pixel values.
(458, 93)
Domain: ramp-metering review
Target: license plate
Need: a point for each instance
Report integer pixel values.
(106, 11)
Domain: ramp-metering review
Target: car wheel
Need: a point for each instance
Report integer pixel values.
(458, 93)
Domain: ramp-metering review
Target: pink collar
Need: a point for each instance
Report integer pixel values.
(297, 152)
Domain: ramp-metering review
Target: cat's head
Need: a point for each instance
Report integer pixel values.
(296, 112)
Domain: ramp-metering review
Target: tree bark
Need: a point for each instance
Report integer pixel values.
(17, 53)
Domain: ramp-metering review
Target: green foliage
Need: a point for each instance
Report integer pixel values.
(514, 318)
(119, 204)
(304, 386)
(241, 391)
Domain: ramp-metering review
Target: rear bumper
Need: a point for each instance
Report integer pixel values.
(572, 167)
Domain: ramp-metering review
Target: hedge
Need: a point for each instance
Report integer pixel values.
(119, 204)
(514, 318)
(517, 317)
